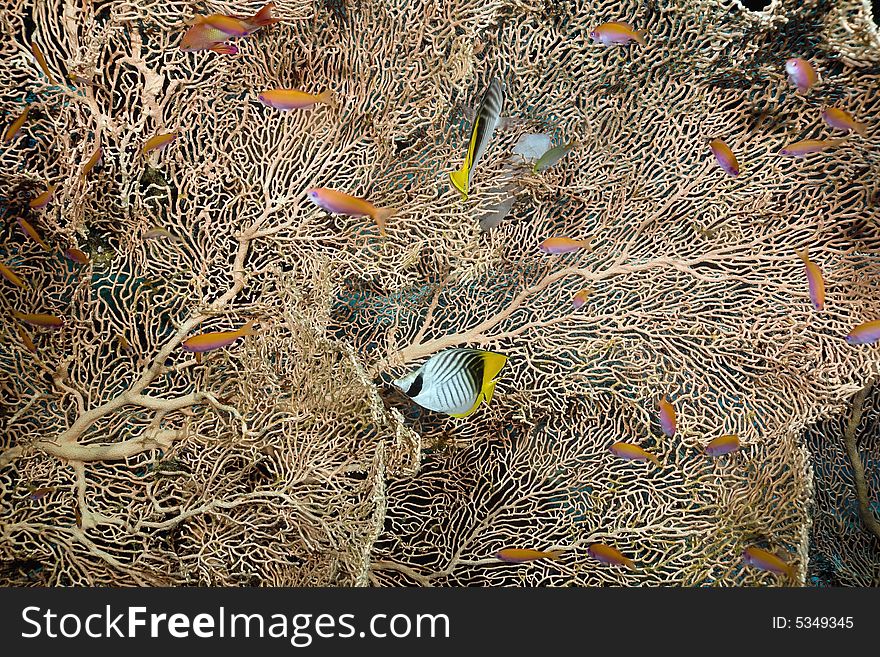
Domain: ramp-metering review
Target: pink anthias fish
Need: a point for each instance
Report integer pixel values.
(867, 333)
(667, 417)
(725, 157)
(341, 203)
(286, 99)
(564, 245)
(723, 445)
(612, 33)
(632, 453)
(807, 146)
(764, 560)
(607, 554)
(581, 297)
(75, 255)
(814, 280)
(217, 339)
(843, 120)
(801, 73)
(42, 200)
(206, 35)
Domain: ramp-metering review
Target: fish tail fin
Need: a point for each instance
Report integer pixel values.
(460, 181)
(587, 243)
(555, 554)
(630, 564)
(492, 364)
(264, 16)
(381, 217)
(248, 329)
(860, 128)
(639, 36)
(326, 97)
(655, 460)
(488, 391)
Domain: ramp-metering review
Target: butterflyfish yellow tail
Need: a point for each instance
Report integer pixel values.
(492, 365)
(460, 181)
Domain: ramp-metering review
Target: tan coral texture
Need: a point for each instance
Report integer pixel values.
(286, 458)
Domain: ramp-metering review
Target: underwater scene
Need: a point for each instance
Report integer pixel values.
(440, 293)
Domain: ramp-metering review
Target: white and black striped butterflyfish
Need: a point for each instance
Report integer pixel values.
(454, 381)
(485, 122)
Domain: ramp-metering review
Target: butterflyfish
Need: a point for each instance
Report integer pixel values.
(16, 125)
(286, 99)
(217, 339)
(485, 122)
(722, 445)
(454, 381)
(633, 453)
(867, 333)
(814, 280)
(764, 560)
(801, 73)
(607, 554)
(620, 33)
(516, 555)
(340, 203)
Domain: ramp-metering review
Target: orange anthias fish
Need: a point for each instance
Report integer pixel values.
(581, 297)
(93, 160)
(77, 256)
(340, 203)
(31, 232)
(609, 34)
(26, 340)
(667, 417)
(39, 319)
(15, 127)
(843, 120)
(43, 199)
(564, 245)
(814, 280)
(515, 555)
(41, 60)
(157, 142)
(11, 276)
(867, 333)
(807, 146)
(725, 157)
(723, 445)
(633, 453)
(285, 99)
(205, 35)
(217, 339)
(764, 560)
(607, 554)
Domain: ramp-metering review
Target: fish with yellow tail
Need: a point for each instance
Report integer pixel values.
(93, 160)
(517, 555)
(11, 276)
(764, 560)
(607, 554)
(867, 333)
(617, 33)
(455, 381)
(633, 453)
(814, 280)
(667, 417)
(216, 339)
(287, 99)
(15, 127)
(42, 200)
(801, 73)
(485, 122)
(843, 120)
(41, 60)
(722, 445)
(341, 203)
(725, 157)
(557, 245)
(209, 32)
(39, 319)
(808, 146)
(157, 142)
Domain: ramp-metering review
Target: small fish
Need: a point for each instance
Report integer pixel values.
(558, 245)
(515, 555)
(122, 342)
(340, 203)
(16, 125)
(217, 339)
(807, 146)
(581, 298)
(226, 24)
(552, 156)
(485, 122)
(285, 99)
(157, 142)
(454, 381)
(723, 445)
(617, 33)
(79, 79)
(607, 554)
(11, 276)
(225, 49)
(725, 157)
(39, 319)
(867, 333)
(204, 36)
(39, 493)
(155, 233)
(814, 280)
(43, 199)
(77, 256)
(41, 60)
(843, 120)
(801, 73)
(93, 160)
(764, 560)
(633, 453)
(26, 340)
(667, 417)
(31, 232)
